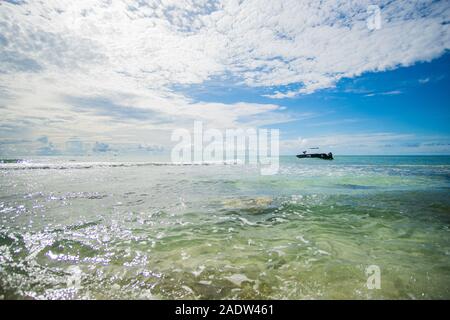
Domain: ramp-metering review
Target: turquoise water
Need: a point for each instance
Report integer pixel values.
(101, 228)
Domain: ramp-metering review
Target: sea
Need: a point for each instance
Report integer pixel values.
(357, 227)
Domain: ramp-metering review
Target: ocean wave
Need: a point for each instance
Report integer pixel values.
(88, 165)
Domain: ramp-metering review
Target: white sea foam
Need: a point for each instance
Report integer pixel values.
(89, 165)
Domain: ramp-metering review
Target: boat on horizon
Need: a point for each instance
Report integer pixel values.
(323, 156)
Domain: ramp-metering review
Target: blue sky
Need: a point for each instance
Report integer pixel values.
(409, 102)
(405, 100)
(103, 77)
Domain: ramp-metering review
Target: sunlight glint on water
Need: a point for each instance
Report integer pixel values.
(78, 229)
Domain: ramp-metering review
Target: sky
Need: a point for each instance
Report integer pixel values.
(118, 76)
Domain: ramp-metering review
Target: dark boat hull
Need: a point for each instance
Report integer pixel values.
(323, 156)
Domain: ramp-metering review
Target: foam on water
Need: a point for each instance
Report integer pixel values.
(25, 165)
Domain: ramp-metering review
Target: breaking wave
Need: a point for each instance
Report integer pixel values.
(24, 165)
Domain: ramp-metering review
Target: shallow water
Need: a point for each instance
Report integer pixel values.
(112, 229)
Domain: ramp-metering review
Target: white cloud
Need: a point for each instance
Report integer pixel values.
(130, 54)
(385, 93)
